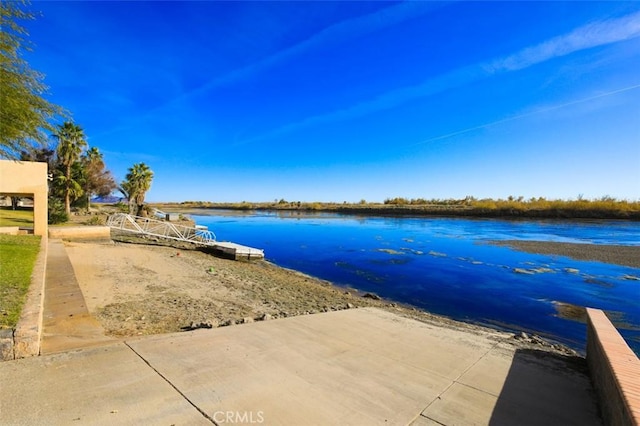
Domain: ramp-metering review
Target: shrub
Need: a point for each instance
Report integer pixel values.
(95, 220)
(122, 207)
(56, 212)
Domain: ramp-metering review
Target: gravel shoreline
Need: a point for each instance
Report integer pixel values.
(614, 254)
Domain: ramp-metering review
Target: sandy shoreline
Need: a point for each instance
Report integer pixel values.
(140, 289)
(614, 254)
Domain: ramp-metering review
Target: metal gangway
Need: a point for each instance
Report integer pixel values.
(159, 214)
(162, 229)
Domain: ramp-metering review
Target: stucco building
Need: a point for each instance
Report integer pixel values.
(27, 179)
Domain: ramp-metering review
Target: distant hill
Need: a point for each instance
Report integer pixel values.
(109, 199)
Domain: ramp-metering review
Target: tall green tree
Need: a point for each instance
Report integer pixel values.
(55, 205)
(97, 180)
(25, 115)
(135, 186)
(40, 154)
(71, 143)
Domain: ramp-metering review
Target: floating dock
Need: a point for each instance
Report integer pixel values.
(237, 251)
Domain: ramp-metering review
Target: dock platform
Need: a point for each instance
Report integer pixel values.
(237, 251)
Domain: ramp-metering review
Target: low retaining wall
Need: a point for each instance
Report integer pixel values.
(80, 232)
(615, 371)
(10, 230)
(25, 339)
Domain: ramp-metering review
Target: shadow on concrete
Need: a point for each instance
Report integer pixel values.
(542, 388)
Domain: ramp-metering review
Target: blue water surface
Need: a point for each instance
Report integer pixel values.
(448, 266)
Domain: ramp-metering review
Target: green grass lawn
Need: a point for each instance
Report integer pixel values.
(21, 217)
(17, 258)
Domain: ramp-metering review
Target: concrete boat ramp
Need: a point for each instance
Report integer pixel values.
(353, 367)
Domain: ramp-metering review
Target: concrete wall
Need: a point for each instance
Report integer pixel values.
(615, 371)
(27, 179)
(80, 232)
(10, 230)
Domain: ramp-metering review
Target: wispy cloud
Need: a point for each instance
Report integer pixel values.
(387, 100)
(332, 35)
(585, 37)
(535, 111)
(588, 36)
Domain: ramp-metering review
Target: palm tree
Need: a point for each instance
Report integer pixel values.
(71, 142)
(136, 184)
(97, 180)
(128, 190)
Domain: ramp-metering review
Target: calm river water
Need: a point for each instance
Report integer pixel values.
(447, 265)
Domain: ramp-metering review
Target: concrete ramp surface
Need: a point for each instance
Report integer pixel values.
(352, 367)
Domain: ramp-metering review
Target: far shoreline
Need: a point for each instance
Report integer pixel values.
(567, 212)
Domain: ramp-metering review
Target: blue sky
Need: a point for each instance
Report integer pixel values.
(343, 101)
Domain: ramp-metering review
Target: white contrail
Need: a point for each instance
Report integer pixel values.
(585, 37)
(527, 114)
(331, 35)
(597, 33)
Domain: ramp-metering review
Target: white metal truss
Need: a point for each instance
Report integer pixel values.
(159, 228)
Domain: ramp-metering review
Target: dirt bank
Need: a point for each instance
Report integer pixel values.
(618, 255)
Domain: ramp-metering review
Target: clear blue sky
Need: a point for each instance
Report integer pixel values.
(343, 101)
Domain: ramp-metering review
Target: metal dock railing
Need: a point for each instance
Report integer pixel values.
(199, 235)
(160, 228)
